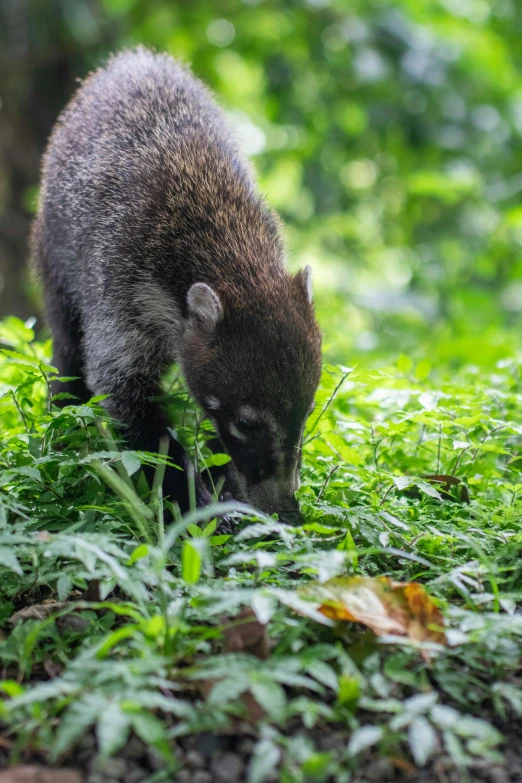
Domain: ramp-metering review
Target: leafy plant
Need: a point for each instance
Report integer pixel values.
(149, 650)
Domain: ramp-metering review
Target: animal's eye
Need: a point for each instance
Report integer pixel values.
(247, 426)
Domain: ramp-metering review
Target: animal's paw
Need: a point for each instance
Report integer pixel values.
(225, 526)
(203, 496)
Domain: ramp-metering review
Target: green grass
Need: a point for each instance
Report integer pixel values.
(139, 659)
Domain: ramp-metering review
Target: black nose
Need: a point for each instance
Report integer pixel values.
(290, 516)
(289, 512)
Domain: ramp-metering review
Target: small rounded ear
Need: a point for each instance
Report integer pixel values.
(304, 278)
(204, 305)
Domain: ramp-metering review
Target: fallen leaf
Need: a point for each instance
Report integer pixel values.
(244, 633)
(449, 488)
(387, 607)
(448, 482)
(403, 765)
(236, 727)
(39, 611)
(254, 711)
(93, 591)
(33, 774)
(71, 621)
(44, 537)
(52, 669)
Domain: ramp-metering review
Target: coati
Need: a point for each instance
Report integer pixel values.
(154, 246)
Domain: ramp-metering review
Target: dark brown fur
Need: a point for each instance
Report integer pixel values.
(145, 197)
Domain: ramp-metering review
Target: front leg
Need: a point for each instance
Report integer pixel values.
(142, 423)
(178, 485)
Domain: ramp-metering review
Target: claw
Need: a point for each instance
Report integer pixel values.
(226, 526)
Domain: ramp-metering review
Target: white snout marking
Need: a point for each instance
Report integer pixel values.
(236, 433)
(272, 494)
(248, 412)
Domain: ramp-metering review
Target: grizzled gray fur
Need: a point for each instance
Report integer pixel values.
(154, 246)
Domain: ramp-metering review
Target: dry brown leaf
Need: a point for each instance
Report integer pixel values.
(70, 621)
(39, 611)
(254, 711)
(33, 774)
(403, 765)
(244, 633)
(446, 482)
(52, 669)
(387, 607)
(93, 591)
(448, 487)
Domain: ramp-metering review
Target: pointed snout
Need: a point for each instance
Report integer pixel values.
(276, 496)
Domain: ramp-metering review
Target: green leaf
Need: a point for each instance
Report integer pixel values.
(216, 460)
(114, 638)
(139, 553)
(422, 739)
(404, 364)
(263, 762)
(363, 738)
(153, 732)
(423, 369)
(271, 697)
(468, 726)
(11, 688)
(112, 729)
(28, 359)
(74, 723)
(324, 673)
(63, 587)
(219, 540)
(149, 728)
(349, 689)
(427, 488)
(10, 561)
(316, 766)
(191, 563)
(210, 529)
(228, 689)
(402, 482)
(455, 749)
(511, 694)
(131, 462)
(28, 470)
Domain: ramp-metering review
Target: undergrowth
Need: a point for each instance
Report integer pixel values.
(116, 619)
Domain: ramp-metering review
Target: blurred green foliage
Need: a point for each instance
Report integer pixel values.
(386, 134)
(388, 137)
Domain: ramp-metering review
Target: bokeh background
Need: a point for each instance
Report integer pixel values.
(387, 135)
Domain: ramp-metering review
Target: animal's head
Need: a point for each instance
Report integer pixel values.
(254, 367)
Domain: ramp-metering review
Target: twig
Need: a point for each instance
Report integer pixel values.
(48, 386)
(326, 482)
(332, 397)
(20, 411)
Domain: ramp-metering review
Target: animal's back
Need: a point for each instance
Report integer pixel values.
(142, 178)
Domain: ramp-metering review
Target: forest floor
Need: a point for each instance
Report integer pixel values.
(378, 640)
